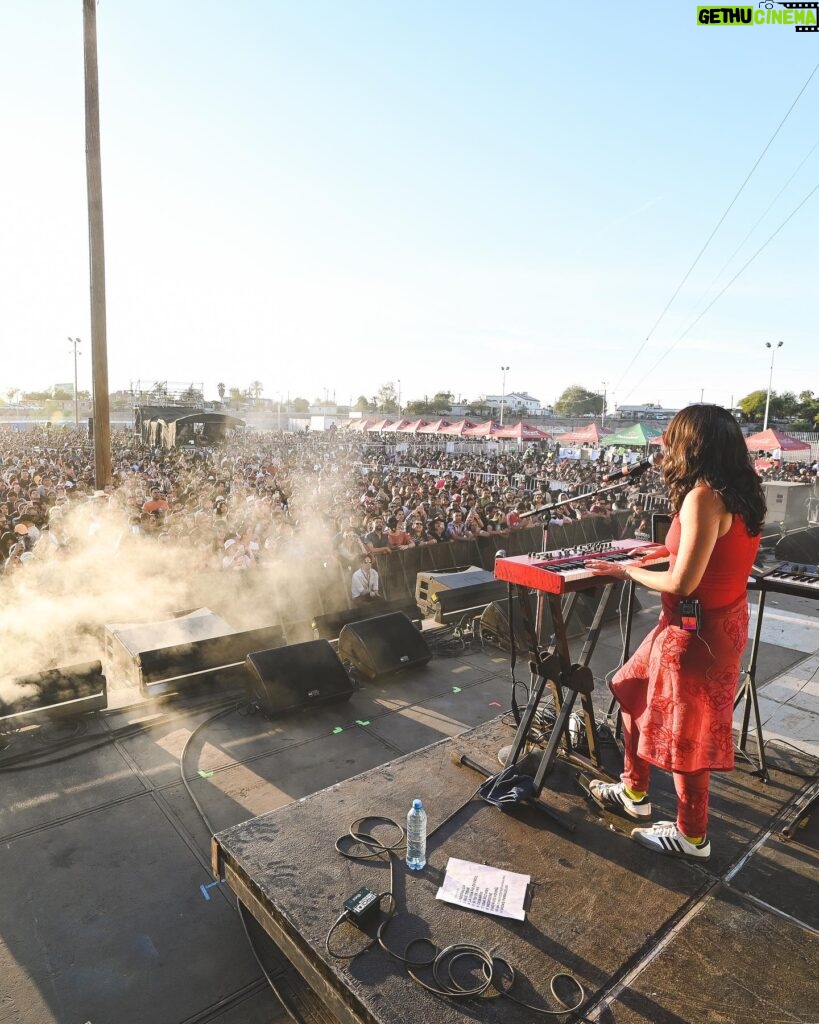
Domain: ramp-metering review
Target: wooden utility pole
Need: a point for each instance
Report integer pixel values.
(96, 249)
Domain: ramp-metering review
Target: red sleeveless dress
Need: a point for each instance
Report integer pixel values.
(678, 686)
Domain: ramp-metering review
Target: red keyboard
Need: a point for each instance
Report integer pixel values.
(563, 571)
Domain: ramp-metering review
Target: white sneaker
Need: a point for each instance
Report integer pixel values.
(665, 837)
(613, 795)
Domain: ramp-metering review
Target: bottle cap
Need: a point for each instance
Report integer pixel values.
(417, 805)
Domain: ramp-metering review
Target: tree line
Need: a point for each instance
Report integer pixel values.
(800, 411)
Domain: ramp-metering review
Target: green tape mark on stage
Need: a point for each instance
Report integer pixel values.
(456, 689)
(205, 775)
(337, 730)
(360, 721)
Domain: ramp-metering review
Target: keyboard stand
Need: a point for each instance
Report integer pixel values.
(747, 689)
(614, 717)
(568, 680)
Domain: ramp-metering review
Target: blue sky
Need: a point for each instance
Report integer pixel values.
(328, 196)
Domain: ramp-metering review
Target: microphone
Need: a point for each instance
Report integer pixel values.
(628, 471)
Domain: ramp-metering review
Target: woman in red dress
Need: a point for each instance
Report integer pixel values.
(677, 691)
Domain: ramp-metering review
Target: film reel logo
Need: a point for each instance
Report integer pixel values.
(804, 16)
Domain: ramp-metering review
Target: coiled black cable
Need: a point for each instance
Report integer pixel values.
(441, 961)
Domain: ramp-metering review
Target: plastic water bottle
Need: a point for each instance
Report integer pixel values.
(416, 836)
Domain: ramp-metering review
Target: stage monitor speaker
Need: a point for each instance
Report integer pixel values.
(382, 645)
(55, 693)
(296, 677)
(494, 628)
(329, 626)
(799, 546)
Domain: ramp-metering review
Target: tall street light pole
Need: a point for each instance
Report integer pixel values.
(603, 409)
(503, 392)
(75, 342)
(773, 349)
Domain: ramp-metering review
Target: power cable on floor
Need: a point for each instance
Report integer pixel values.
(291, 1013)
(441, 961)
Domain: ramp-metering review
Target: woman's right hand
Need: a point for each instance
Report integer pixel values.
(600, 567)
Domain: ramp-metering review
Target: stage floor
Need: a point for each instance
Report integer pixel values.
(110, 912)
(635, 929)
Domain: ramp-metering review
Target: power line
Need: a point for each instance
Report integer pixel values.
(714, 231)
(722, 291)
(764, 214)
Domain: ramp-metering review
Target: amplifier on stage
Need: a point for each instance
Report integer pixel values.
(459, 589)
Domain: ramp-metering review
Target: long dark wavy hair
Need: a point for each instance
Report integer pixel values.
(704, 445)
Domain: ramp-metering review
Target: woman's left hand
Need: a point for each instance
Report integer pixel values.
(598, 567)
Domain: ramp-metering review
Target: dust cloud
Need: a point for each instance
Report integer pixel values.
(88, 570)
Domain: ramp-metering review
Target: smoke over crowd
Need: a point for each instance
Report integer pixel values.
(236, 526)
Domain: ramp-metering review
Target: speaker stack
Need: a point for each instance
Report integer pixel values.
(383, 645)
(218, 659)
(296, 677)
(54, 693)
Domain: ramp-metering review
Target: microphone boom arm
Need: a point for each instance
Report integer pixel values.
(580, 497)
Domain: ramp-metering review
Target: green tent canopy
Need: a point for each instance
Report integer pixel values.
(637, 436)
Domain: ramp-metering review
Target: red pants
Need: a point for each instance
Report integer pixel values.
(691, 787)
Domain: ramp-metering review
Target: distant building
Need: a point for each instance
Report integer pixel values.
(515, 402)
(649, 411)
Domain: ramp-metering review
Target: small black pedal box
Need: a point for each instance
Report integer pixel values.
(361, 905)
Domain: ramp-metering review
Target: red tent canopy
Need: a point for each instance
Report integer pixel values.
(413, 427)
(769, 440)
(378, 425)
(488, 429)
(398, 425)
(590, 434)
(522, 432)
(359, 424)
(459, 427)
(438, 427)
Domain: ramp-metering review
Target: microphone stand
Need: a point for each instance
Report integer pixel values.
(580, 497)
(605, 489)
(627, 477)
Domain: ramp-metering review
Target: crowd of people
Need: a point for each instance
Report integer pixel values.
(257, 498)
